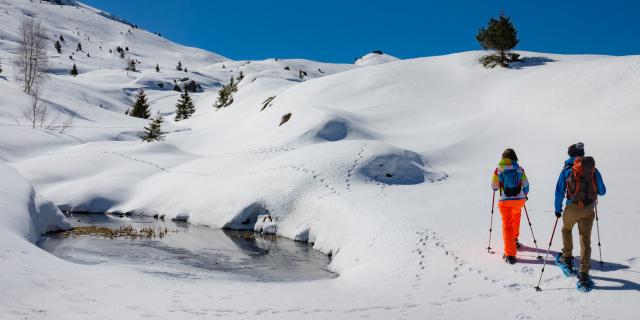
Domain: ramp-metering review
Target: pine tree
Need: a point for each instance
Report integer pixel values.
(74, 70)
(131, 65)
(153, 132)
(140, 107)
(79, 48)
(225, 95)
(185, 69)
(157, 68)
(61, 38)
(240, 76)
(500, 36)
(58, 47)
(185, 107)
(179, 66)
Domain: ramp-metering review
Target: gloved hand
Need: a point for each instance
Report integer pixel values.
(558, 214)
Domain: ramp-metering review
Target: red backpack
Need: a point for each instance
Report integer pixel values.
(581, 183)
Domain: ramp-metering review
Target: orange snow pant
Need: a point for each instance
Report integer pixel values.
(510, 210)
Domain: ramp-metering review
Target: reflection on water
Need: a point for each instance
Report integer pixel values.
(191, 252)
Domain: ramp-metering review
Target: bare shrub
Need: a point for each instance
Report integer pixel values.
(31, 61)
(36, 112)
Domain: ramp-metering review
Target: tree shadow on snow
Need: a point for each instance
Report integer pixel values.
(530, 62)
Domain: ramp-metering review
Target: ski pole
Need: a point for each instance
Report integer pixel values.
(544, 264)
(598, 229)
(535, 242)
(493, 202)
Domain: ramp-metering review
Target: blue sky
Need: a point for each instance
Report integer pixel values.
(339, 31)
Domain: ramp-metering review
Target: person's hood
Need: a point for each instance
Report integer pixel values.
(507, 164)
(569, 162)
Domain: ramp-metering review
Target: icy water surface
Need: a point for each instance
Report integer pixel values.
(191, 251)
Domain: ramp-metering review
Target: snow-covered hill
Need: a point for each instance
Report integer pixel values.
(99, 34)
(375, 57)
(385, 166)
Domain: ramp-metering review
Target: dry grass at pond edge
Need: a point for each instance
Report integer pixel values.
(127, 231)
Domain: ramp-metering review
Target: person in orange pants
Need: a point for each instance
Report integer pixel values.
(512, 183)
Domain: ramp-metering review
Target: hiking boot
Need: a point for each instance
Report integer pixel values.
(518, 245)
(568, 261)
(583, 279)
(509, 259)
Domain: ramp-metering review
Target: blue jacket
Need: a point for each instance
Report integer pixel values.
(561, 185)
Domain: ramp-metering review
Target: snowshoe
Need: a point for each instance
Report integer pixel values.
(584, 284)
(566, 267)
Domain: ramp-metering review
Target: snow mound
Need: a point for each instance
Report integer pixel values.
(25, 213)
(265, 225)
(397, 168)
(333, 131)
(373, 58)
(338, 129)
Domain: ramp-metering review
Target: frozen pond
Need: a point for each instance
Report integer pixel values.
(190, 251)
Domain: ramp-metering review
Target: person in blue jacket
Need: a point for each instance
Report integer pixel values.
(582, 214)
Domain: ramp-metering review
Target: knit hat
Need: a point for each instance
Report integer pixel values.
(576, 150)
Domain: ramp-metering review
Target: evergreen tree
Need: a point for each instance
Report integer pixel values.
(140, 107)
(74, 70)
(153, 132)
(185, 107)
(225, 95)
(157, 68)
(79, 48)
(61, 38)
(58, 47)
(185, 69)
(500, 36)
(131, 65)
(240, 76)
(192, 86)
(179, 66)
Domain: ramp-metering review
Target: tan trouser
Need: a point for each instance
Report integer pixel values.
(584, 218)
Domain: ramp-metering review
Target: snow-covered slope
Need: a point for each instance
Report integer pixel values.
(98, 35)
(384, 166)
